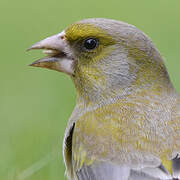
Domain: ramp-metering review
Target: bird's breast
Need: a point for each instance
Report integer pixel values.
(133, 128)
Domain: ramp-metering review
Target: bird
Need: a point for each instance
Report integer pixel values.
(126, 121)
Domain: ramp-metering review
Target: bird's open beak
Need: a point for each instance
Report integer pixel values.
(58, 57)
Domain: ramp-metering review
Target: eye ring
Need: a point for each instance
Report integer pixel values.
(90, 43)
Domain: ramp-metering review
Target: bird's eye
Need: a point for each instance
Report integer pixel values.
(90, 43)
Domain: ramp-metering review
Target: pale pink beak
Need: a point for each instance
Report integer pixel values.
(58, 54)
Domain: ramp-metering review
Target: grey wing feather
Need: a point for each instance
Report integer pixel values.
(135, 175)
(176, 167)
(103, 171)
(106, 171)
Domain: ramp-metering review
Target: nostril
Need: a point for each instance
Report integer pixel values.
(62, 37)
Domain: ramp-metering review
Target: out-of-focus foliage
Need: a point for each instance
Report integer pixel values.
(35, 104)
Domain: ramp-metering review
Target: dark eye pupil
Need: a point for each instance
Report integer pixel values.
(90, 43)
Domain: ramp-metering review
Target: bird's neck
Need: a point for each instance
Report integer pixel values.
(105, 82)
(92, 92)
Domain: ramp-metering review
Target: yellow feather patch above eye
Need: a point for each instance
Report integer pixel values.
(80, 31)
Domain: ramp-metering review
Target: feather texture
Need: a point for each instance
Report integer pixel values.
(108, 171)
(126, 123)
(127, 113)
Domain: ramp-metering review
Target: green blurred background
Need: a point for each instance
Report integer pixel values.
(35, 103)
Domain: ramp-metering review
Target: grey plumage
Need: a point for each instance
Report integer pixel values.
(103, 171)
(108, 171)
(176, 167)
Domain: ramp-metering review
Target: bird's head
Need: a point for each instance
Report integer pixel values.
(105, 58)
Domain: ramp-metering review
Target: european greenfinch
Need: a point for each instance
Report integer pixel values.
(126, 122)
